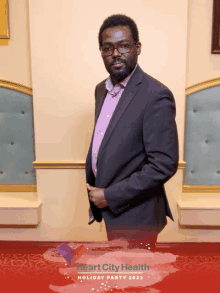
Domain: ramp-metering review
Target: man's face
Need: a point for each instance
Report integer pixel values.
(114, 35)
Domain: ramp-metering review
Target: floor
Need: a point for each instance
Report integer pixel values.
(171, 267)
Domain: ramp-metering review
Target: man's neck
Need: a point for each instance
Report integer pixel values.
(114, 81)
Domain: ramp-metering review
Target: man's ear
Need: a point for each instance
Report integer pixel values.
(138, 46)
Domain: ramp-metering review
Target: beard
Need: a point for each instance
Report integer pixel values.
(120, 74)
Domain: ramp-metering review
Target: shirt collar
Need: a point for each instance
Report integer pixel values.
(109, 85)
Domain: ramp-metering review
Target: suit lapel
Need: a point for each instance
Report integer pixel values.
(128, 94)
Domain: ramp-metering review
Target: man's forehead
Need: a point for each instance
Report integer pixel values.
(109, 41)
(117, 33)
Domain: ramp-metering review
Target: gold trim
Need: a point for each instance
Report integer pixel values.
(184, 131)
(15, 86)
(181, 164)
(18, 226)
(196, 227)
(72, 164)
(4, 42)
(202, 85)
(4, 19)
(18, 188)
(59, 164)
(201, 188)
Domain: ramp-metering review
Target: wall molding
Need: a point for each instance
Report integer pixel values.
(11, 85)
(181, 164)
(73, 164)
(201, 188)
(65, 164)
(202, 85)
(33, 188)
(4, 42)
(18, 188)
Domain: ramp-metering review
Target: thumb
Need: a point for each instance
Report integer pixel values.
(90, 187)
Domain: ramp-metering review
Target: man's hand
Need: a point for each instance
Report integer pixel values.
(96, 195)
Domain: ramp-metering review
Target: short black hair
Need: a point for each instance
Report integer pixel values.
(119, 20)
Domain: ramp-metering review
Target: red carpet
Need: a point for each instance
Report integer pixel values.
(177, 267)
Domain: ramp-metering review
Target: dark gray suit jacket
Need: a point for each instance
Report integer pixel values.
(138, 154)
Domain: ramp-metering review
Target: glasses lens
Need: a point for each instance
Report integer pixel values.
(107, 50)
(122, 48)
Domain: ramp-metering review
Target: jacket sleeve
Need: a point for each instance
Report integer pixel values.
(161, 145)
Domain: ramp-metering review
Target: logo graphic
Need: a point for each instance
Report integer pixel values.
(69, 254)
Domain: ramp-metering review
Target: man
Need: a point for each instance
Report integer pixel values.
(134, 148)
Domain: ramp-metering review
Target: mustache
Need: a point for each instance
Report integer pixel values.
(118, 61)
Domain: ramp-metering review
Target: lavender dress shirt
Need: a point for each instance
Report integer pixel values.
(108, 108)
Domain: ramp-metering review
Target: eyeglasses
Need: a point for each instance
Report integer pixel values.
(122, 48)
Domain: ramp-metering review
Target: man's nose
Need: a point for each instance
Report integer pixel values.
(116, 52)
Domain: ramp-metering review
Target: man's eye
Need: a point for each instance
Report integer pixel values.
(126, 46)
(106, 49)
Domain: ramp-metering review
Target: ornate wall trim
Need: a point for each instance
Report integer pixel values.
(201, 188)
(202, 85)
(72, 164)
(18, 188)
(11, 85)
(59, 164)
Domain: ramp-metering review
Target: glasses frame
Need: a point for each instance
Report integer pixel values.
(116, 46)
